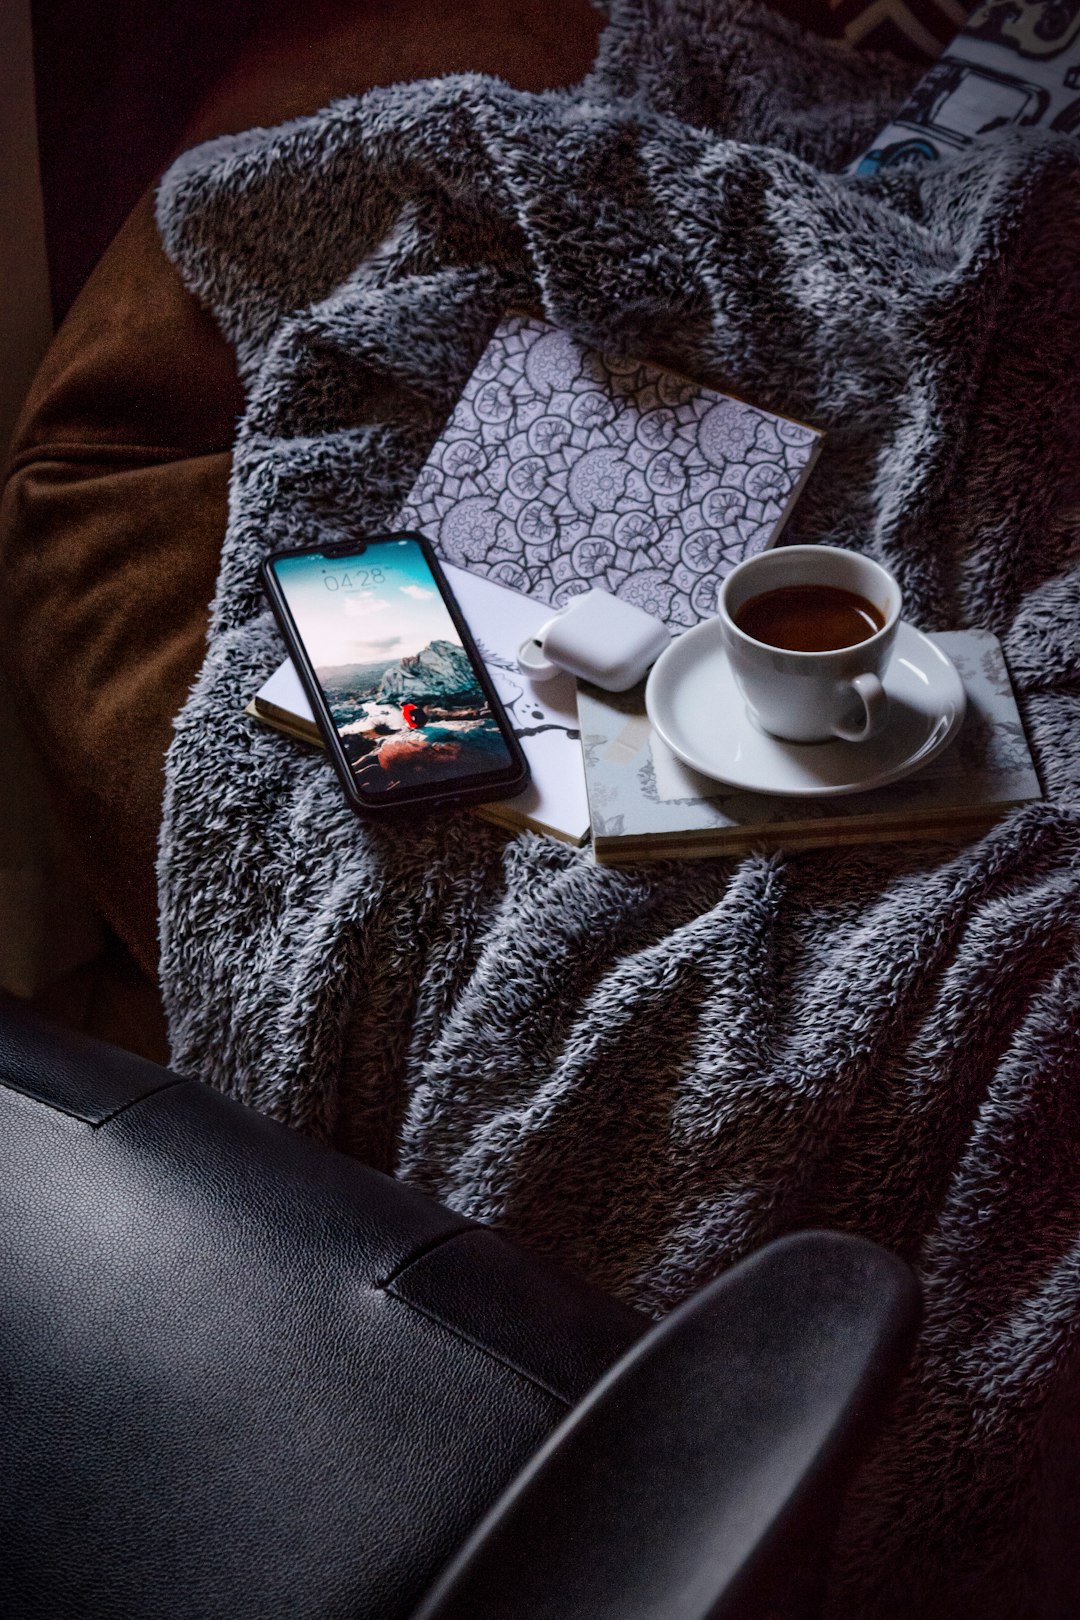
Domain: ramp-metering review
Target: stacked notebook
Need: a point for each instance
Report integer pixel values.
(645, 804)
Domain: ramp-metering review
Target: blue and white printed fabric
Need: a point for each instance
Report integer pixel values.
(1015, 65)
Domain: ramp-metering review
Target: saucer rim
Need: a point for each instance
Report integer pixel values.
(906, 767)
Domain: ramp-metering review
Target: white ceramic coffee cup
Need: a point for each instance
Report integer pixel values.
(812, 696)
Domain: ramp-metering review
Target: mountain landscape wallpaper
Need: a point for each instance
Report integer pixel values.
(399, 685)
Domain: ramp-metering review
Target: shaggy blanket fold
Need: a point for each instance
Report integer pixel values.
(647, 1074)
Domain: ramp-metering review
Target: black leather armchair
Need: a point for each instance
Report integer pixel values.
(245, 1377)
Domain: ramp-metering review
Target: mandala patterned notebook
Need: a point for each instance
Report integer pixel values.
(561, 469)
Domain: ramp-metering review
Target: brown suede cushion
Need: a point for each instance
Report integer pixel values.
(113, 517)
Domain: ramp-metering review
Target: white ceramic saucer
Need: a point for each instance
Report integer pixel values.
(696, 707)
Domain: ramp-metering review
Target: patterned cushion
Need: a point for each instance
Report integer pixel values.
(915, 29)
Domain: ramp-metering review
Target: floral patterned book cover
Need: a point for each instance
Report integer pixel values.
(561, 469)
(645, 804)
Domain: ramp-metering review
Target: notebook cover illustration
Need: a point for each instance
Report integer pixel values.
(561, 469)
(646, 805)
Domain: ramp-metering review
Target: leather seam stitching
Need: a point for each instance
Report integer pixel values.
(493, 1355)
(83, 1119)
(133, 1102)
(422, 1253)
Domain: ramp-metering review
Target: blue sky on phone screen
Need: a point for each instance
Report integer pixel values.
(382, 604)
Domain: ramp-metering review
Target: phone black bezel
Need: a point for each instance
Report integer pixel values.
(476, 789)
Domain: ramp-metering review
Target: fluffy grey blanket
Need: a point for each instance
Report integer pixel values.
(648, 1074)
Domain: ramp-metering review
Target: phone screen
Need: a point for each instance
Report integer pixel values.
(401, 689)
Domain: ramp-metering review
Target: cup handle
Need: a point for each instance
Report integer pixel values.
(875, 705)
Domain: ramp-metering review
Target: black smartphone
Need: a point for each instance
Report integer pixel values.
(405, 706)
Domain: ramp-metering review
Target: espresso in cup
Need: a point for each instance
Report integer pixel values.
(809, 618)
(808, 632)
